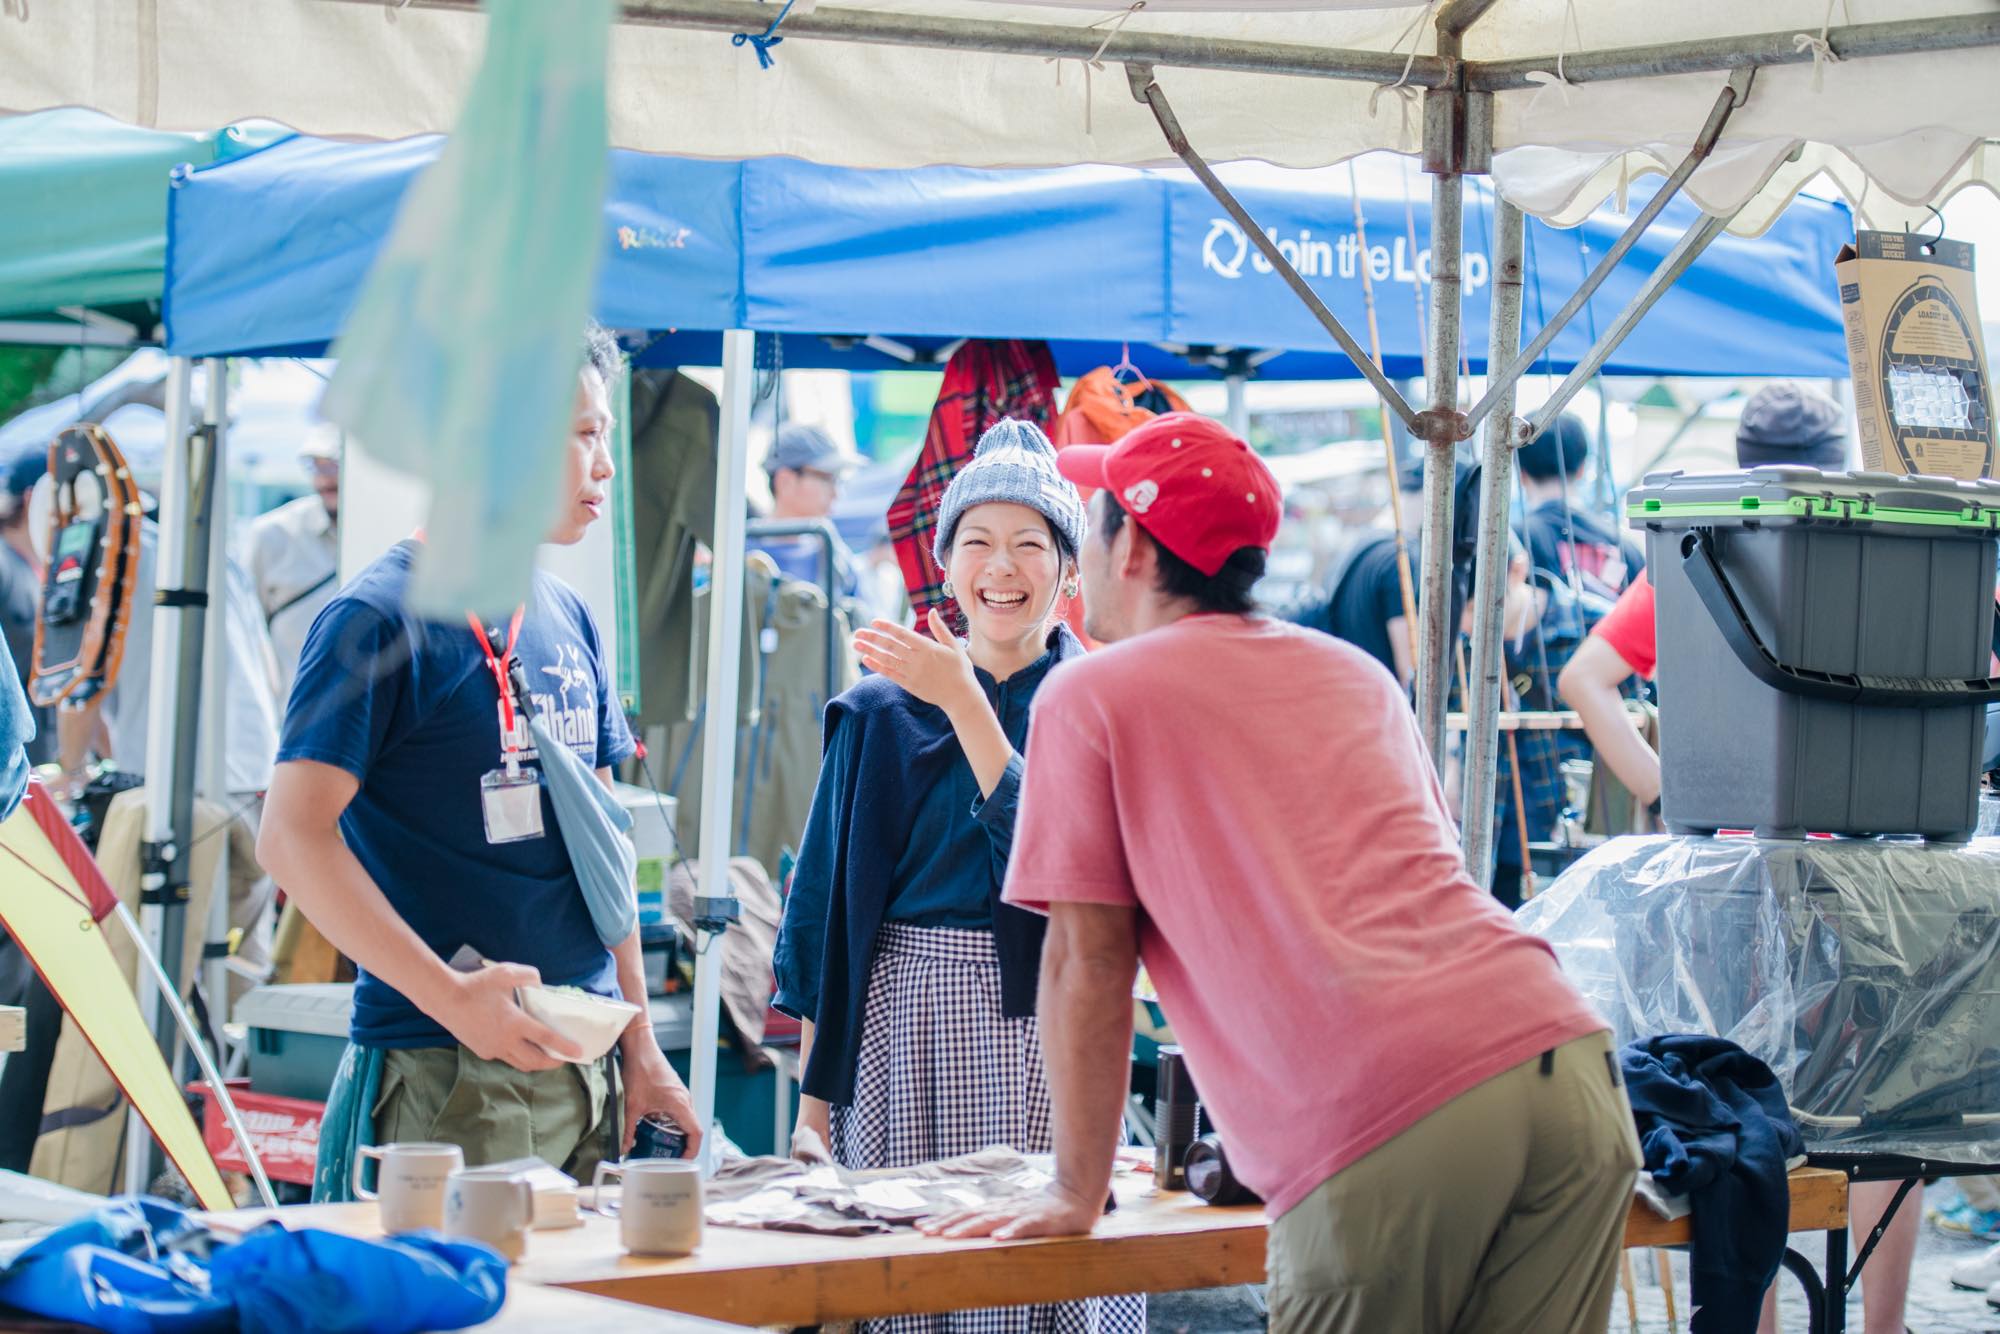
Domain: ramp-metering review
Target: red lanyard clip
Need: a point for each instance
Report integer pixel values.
(497, 664)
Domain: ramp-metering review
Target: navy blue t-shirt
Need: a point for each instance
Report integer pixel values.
(409, 708)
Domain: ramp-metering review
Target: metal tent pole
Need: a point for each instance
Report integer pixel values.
(1855, 41)
(1685, 252)
(1236, 415)
(1184, 51)
(1503, 381)
(1042, 40)
(715, 907)
(141, 1154)
(184, 603)
(1490, 589)
(1147, 91)
(212, 748)
(1457, 138)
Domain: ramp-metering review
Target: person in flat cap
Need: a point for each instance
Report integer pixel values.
(916, 984)
(805, 469)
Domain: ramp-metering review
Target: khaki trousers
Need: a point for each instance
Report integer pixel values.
(1502, 1211)
(496, 1113)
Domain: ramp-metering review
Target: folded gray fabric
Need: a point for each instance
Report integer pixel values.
(782, 1195)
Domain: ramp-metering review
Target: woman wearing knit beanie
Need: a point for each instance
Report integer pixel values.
(916, 984)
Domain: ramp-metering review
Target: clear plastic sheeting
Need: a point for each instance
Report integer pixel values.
(1866, 975)
(1989, 814)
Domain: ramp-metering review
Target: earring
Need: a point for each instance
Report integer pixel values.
(948, 590)
(1070, 589)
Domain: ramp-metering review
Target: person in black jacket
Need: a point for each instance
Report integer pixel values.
(915, 984)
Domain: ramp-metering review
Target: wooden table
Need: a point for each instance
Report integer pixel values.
(530, 1306)
(1153, 1243)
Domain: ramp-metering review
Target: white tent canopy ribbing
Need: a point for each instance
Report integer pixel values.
(1892, 131)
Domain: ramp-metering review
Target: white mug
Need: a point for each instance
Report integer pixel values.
(659, 1210)
(493, 1209)
(411, 1181)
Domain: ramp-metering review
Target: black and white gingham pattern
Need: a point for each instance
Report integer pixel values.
(941, 1072)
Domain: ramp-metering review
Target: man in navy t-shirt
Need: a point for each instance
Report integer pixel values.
(385, 824)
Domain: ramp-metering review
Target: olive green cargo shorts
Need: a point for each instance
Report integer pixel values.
(566, 1116)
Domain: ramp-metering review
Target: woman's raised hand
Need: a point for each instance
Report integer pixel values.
(937, 670)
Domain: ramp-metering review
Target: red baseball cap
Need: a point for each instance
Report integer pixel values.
(1198, 490)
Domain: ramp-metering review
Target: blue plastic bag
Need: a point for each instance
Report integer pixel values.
(137, 1266)
(319, 1282)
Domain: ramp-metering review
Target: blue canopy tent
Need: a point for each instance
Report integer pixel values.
(882, 269)
(866, 270)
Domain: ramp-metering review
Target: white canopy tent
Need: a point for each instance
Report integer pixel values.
(900, 83)
(1561, 101)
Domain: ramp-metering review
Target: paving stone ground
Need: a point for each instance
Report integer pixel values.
(1934, 1307)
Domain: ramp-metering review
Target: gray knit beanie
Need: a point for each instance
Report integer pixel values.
(1013, 462)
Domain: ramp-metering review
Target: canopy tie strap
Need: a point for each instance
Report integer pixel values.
(1406, 96)
(1822, 50)
(763, 41)
(1560, 79)
(1096, 60)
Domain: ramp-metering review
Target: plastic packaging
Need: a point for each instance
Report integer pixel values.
(1865, 974)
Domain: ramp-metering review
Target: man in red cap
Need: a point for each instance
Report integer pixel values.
(1431, 1113)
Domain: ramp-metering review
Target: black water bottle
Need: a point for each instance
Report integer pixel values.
(1176, 1110)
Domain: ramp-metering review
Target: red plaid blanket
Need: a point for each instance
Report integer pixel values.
(985, 380)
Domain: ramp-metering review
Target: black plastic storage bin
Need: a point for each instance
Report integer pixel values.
(1825, 643)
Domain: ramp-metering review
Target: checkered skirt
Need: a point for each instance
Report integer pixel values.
(942, 1072)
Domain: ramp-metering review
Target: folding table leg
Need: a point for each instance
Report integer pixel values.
(1836, 1281)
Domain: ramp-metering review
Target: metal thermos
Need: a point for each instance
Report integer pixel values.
(1177, 1110)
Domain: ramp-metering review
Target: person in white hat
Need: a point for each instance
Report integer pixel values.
(294, 554)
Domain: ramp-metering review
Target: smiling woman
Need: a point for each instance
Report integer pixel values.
(916, 983)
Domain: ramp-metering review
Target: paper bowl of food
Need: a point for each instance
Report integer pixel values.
(593, 1023)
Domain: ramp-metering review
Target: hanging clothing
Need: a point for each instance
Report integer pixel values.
(781, 693)
(1102, 408)
(944, 1069)
(985, 380)
(674, 425)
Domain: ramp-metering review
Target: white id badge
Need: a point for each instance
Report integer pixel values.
(512, 804)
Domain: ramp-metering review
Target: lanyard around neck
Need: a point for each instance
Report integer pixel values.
(497, 664)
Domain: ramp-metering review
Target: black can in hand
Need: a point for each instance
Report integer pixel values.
(658, 1137)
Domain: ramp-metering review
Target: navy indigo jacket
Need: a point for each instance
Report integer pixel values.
(893, 748)
(1714, 1126)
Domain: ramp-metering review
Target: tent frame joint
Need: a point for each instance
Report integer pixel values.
(1146, 89)
(1500, 384)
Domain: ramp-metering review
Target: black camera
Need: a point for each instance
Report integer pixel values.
(1209, 1177)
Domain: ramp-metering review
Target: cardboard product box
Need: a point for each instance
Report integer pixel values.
(1921, 390)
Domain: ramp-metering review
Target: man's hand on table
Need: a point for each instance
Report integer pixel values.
(478, 1008)
(1054, 1213)
(652, 1088)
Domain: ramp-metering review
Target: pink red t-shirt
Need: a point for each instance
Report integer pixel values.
(1259, 792)
(1628, 628)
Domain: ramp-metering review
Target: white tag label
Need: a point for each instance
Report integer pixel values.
(512, 804)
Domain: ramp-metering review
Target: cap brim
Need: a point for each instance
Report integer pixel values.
(1084, 464)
